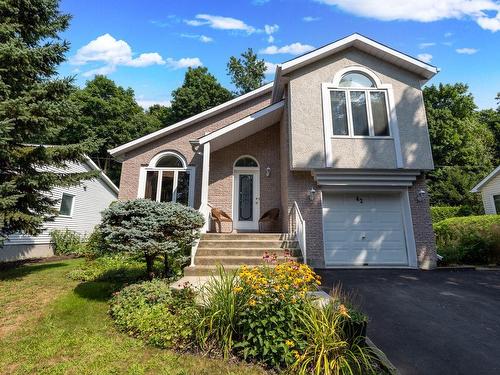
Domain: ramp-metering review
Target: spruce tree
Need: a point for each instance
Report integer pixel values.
(34, 105)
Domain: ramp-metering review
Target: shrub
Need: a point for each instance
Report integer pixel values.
(94, 245)
(440, 213)
(65, 242)
(146, 228)
(155, 313)
(469, 240)
(328, 349)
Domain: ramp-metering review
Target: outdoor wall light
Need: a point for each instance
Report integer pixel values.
(312, 194)
(268, 171)
(421, 195)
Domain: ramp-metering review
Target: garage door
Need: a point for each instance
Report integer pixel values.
(364, 229)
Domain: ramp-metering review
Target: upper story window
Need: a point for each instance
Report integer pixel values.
(67, 204)
(168, 179)
(357, 106)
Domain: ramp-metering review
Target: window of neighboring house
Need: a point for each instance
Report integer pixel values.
(496, 200)
(169, 179)
(66, 208)
(357, 107)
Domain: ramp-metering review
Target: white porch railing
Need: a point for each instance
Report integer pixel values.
(298, 227)
(205, 211)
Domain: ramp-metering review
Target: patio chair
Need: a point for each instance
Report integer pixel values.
(220, 217)
(269, 217)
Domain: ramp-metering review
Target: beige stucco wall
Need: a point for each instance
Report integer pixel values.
(487, 192)
(179, 141)
(306, 113)
(363, 153)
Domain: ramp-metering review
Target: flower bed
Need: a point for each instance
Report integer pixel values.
(261, 314)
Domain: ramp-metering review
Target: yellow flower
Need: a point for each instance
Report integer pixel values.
(344, 311)
(237, 289)
(252, 302)
(296, 354)
(289, 343)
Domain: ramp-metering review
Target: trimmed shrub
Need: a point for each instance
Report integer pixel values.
(65, 242)
(469, 240)
(440, 213)
(157, 314)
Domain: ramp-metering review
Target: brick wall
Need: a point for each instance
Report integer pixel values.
(422, 224)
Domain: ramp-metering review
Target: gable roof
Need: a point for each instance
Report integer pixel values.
(103, 175)
(191, 120)
(484, 181)
(423, 69)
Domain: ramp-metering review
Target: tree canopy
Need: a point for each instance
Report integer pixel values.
(33, 107)
(199, 92)
(247, 73)
(463, 146)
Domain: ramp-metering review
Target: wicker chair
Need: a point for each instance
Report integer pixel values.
(220, 217)
(271, 217)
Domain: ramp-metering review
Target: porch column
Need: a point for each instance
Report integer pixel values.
(204, 185)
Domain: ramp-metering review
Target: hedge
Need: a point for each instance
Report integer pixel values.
(469, 240)
(440, 213)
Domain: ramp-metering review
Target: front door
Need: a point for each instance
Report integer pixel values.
(246, 200)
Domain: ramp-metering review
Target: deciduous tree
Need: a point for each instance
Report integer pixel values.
(247, 73)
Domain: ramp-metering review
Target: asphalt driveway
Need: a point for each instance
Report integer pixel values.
(430, 322)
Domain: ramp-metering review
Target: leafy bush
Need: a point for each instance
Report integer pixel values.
(440, 213)
(156, 314)
(328, 349)
(94, 245)
(65, 242)
(119, 268)
(142, 227)
(469, 240)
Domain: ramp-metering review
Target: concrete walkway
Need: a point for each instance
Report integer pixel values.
(430, 322)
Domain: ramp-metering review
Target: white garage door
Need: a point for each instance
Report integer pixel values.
(364, 229)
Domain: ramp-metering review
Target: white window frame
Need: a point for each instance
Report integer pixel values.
(387, 89)
(152, 168)
(72, 209)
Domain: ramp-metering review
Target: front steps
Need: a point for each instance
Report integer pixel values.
(234, 250)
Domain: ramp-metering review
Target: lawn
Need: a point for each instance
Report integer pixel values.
(50, 324)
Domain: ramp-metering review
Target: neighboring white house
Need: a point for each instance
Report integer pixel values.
(80, 210)
(489, 188)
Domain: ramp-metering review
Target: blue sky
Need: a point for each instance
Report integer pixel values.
(148, 44)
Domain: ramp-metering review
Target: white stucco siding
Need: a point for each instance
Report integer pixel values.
(490, 189)
(91, 197)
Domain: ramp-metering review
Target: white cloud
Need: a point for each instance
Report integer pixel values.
(185, 62)
(425, 10)
(448, 34)
(146, 103)
(271, 29)
(292, 49)
(425, 57)
(310, 19)
(201, 38)
(426, 45)
(270, 39)
(466, 51)
(220, 23)
(270, 67)
(106, 49)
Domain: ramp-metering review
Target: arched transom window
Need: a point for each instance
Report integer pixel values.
(357, 105)
(168, 178)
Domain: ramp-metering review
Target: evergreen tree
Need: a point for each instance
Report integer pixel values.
(247, 73)
(199, 92)
(33, 107)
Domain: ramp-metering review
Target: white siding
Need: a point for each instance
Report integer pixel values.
(490, 189)
(91, 198)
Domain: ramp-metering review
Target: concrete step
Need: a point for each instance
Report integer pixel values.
(237, 260)
(247, 236)
(243, 252)
(260, 244)
(207, 270)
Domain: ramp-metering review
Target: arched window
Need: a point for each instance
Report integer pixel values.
(358, 105)
(167, 178)
(246, 161)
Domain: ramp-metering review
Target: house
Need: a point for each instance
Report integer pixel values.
(80, 210)
(338, 142)
(489, 188)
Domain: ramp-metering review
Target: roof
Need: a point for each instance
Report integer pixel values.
(423, 69)
(103, 175)
(245, 127)
(191, 120)
(484, 181)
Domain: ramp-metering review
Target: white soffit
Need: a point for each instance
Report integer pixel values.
(368, 45)
(245, 127)
(191, 120)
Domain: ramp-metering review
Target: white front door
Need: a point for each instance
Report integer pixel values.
(364, 229)
(246, 199)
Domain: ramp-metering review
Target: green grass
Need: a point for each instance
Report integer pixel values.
(50, 324)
